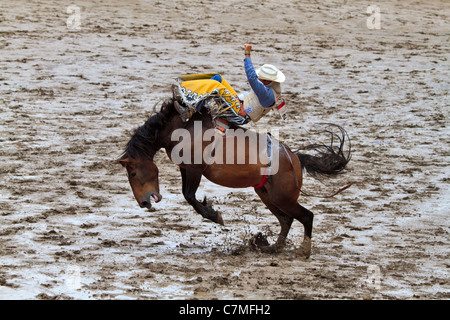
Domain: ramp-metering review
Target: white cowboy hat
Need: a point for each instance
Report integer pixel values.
(270, 72)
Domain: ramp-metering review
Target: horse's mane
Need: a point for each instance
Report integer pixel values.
(145, 140)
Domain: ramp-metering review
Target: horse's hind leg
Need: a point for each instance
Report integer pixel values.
(285, 222)
(284, 191)
(296, 211)
(306, 218)
(190, 182)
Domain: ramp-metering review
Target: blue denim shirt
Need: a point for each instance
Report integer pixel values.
(265, 94)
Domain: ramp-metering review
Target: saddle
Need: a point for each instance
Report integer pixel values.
(210, 91)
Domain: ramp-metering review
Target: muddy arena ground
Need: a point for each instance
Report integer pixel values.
(77, 77)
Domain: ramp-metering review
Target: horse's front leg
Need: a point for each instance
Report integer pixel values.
(191, 177)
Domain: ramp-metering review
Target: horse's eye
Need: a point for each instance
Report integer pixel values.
(133, 174)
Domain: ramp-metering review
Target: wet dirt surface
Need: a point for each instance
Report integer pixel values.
(70, 227)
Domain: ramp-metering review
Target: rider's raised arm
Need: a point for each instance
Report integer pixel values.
(265, 94)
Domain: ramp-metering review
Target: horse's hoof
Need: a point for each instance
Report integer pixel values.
(219, 219)
(214, 216)
(305, 249)
(259, 242)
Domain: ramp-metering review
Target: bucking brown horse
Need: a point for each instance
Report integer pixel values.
(278, 188)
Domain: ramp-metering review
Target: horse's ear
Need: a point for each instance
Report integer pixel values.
(166, 105)
(123, 161)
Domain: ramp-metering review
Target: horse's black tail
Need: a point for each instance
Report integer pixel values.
(329, 159)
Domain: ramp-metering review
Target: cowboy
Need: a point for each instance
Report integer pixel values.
(266, 88)
(264, 95)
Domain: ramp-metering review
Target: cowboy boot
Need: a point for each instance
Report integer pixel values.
(185, 112)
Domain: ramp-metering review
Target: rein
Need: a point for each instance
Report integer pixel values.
(332, 195)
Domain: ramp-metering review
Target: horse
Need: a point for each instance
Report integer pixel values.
(279, 190)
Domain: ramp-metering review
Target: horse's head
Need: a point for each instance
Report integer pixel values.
(143, 177)
(138, 156)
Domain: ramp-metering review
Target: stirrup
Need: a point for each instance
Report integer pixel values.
(184, 112)
(221, 127)
(220, 131)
